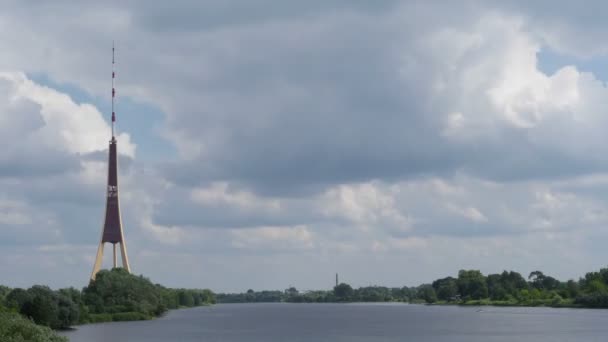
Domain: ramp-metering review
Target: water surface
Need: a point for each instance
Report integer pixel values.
(355, 323)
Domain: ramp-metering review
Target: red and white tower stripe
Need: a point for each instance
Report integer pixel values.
(113, 91)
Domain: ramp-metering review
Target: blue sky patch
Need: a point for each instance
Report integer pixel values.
(142, 121)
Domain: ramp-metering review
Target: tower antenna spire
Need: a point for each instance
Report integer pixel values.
(113, 92)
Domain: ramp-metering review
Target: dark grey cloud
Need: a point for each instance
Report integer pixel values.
(312, 104)
(572, 28)
(188, 16)
(587, 15)
(349, 99)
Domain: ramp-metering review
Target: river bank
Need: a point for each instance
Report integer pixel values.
(129, 316)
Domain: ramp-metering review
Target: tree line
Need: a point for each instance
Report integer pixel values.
(115, 295)
(469, 287)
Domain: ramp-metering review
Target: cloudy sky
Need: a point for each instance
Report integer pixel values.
(273, 143)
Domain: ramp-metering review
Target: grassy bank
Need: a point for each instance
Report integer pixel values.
(127, 316)
(569, 303)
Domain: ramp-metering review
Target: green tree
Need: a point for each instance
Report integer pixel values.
(400, 294)
(427, 293)
(169, 298)
(292, 291)
(68, 311)
(117, 290)
(446, 288)
(373, 294)
(542, 282)
(343, 292)
(512, 282)
(250, 297)
(185, 298)
(596, 286)
(496, 290)
(407, 294)
(572, 289)
(16, 298)
(126, 296)
(78, 312)
(535, 294)
(472, 284)
(4, 290)
(43, 307)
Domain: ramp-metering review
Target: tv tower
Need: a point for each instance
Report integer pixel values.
(112, 228)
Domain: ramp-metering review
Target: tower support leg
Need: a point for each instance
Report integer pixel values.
(125, 258)
(114, 247)
(98, 261)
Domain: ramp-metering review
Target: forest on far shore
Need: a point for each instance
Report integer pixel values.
(469, 287)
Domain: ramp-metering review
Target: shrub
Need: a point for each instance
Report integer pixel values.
(129, 316)
(15, 328)
(100, 318)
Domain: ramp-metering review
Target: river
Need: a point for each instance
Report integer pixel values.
(355, 323)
